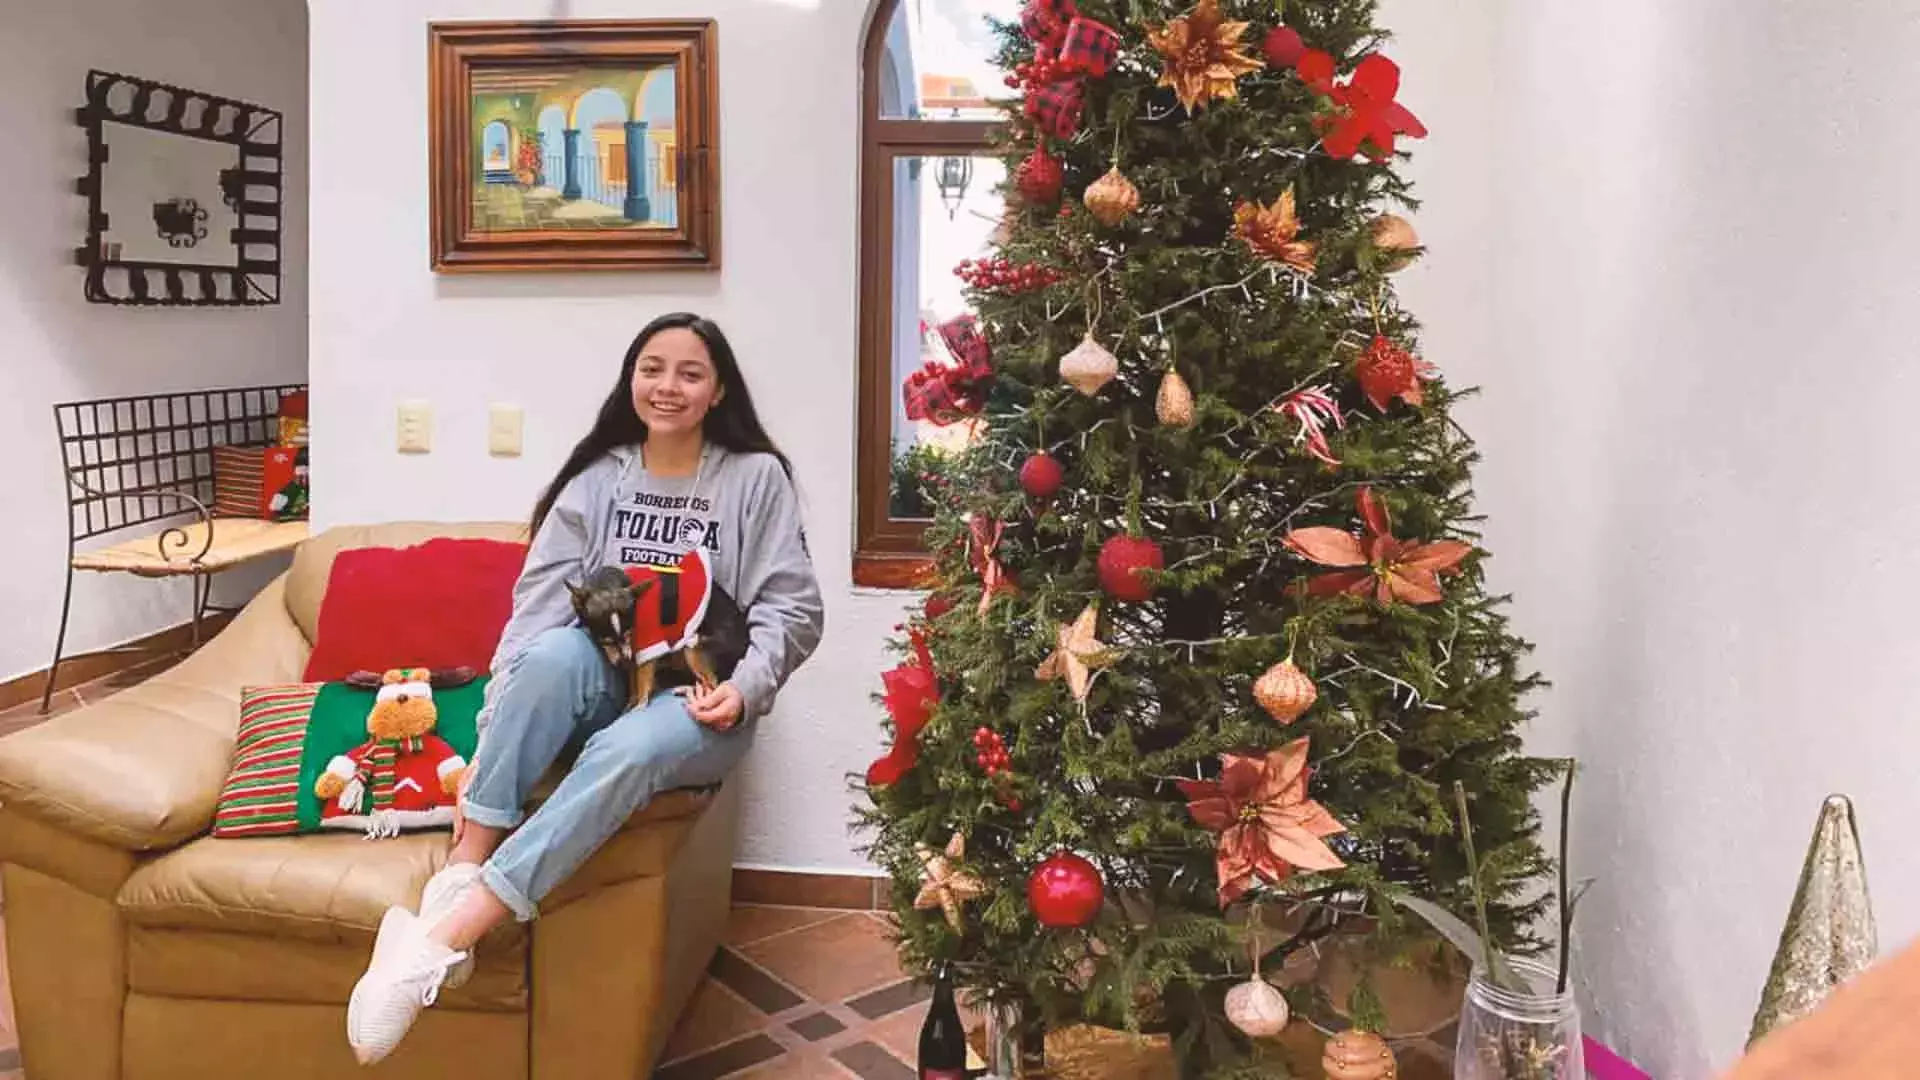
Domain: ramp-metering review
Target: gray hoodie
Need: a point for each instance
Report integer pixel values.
(741, 509)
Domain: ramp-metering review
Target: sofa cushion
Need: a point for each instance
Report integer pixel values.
(335, 886)
(313, 560)
(291, 734)
(329, 887)
(440, 604)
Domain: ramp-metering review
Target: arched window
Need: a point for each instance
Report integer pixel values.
(929, 198)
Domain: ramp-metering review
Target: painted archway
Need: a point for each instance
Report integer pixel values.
(496, 147)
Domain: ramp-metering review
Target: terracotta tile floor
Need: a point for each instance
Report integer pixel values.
(800, 992)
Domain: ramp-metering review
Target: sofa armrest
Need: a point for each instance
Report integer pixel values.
(141, 770)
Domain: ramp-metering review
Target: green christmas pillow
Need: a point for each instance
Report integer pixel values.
(373, 753)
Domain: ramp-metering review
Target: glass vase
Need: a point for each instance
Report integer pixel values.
(1523, 1032)
(1003, 1042)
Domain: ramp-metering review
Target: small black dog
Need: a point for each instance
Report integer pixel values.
(605, 603)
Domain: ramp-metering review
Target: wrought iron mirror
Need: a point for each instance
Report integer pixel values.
(183, 195)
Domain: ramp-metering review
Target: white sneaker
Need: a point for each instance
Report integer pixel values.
(440, 898)
(405, 976)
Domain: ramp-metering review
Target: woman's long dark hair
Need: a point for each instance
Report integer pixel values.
(732, 423)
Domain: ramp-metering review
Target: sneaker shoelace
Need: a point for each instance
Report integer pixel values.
(430, 974)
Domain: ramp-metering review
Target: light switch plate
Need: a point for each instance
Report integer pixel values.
(415, 435)
(505, 424)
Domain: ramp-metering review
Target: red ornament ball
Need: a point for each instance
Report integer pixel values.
(1040, 177)
(1122, 562)
(1065, 892)
(1042, 476)
(1283, 47)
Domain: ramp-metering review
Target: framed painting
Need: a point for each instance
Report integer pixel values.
(574, 145)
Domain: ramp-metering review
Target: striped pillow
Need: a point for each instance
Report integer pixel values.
(289, 734)
(239, 478)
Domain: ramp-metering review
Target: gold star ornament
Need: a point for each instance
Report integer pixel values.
(1080, 652)
(947, 886)
(1204, 55)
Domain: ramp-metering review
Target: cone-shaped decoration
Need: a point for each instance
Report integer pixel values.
(1830, 935)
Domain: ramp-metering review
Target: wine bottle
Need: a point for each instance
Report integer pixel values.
(943, 1041)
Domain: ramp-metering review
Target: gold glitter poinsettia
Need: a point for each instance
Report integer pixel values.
(1274, 232)
(1204, 56)
(1268, 827)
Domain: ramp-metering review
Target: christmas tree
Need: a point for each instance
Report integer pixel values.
(1209, 632)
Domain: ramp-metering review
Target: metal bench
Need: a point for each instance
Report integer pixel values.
(143, 466)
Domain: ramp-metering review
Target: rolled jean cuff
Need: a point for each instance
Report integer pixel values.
(491, 818)
(523, 909)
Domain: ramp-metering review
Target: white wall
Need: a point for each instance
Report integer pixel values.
(1675, 247)
(385, 329)
(56, 346)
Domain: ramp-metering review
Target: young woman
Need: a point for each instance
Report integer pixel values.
(676, 459)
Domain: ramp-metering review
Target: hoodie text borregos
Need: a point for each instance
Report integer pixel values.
(650, 529)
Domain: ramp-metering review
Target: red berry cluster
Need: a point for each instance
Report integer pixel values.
(991, 752)
(1039, 71)
(997, 272)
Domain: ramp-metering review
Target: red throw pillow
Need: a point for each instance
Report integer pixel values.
(440, 604)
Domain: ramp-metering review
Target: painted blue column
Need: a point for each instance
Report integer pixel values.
(571, 190)
(637, 207)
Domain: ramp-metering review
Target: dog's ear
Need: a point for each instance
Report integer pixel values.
(364, 680)
(447, 678)
(577, 591)
(639, 588)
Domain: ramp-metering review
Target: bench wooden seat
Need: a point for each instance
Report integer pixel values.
(234, 541)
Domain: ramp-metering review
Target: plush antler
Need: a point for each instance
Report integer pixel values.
(447, 678)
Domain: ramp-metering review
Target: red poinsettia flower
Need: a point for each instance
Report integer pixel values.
(1316, 68)
(911, 693)
(1387, 371)
(1377, 561)
(1367, 114)
(1268, 827)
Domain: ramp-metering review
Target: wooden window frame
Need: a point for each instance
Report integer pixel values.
(889, 552)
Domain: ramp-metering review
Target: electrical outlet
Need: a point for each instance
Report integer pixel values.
(416, 427)
(504, 428)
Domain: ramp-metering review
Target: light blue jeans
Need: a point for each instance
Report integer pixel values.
(560, 696)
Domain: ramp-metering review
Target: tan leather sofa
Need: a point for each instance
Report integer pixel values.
(142, 949)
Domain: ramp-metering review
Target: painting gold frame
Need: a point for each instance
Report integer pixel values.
(489, 213)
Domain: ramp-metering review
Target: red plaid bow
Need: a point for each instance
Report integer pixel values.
(1086, 47)
(1090, 48)
(946, 394)
(938, 394)
(1045, 21)
(968, 346)
(1055, 108)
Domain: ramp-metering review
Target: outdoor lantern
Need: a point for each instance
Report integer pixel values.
(955, 174)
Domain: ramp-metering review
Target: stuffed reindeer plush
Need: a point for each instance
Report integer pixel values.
(404, 775)
(642, 616)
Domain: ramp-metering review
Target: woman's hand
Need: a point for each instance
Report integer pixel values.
(719, 708)
(459, 798)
